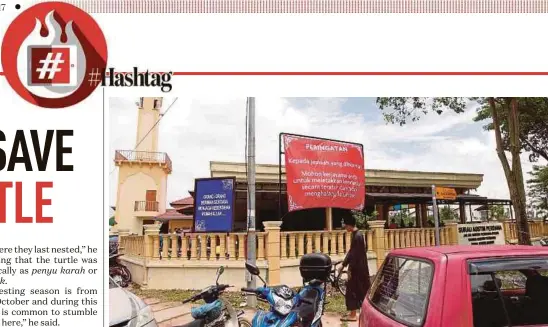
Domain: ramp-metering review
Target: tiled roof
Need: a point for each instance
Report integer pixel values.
(172, 214)
(184, 201)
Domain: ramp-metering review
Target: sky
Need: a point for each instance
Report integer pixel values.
(196, 131)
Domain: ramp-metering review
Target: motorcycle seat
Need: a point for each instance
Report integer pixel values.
(207, 311)
(309, 305)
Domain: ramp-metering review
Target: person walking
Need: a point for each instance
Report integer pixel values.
(358, 271)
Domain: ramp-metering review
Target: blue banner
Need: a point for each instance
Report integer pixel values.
(214, 205)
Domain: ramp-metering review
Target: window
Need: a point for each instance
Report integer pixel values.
(157, 103)
(402, 289)
(509, 292)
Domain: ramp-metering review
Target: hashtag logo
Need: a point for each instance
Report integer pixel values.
(50, 65)
(94, 77)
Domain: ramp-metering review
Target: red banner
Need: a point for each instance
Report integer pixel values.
(323, 174)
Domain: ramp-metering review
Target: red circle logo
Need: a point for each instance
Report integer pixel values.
(54, 55)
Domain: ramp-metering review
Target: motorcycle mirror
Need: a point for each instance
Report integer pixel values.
(220, 271)
(252, 269)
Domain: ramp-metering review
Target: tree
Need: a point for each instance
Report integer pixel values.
(504, 112)
(533, 118)
(446, 213)
(538, 190)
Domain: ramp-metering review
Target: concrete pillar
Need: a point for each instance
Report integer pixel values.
(417, 216)
(151, 231)
(329, 219)
(272, 229)
(121, 234)
(377, 227)
(424, 214)
(379, 209)
(452, 225)
(384, 212)
(462, 213)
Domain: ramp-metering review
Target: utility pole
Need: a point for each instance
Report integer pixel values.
(251, 240)
(436, 216)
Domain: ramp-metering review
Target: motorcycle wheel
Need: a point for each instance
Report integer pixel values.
(244, 322)
(118, 276)
(126, 274)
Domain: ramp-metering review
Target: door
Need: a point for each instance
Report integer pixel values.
(151, 204)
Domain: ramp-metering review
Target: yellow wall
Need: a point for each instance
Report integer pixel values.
(133, 182)
(136, 177)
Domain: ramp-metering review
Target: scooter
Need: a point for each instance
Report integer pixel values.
(217, 311)
(118, 271)
(288, 308)
(282, 300)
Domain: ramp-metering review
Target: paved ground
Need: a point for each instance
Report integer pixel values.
(171, 314)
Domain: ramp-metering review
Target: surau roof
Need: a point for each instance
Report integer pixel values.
(172, 214)
(373, 177)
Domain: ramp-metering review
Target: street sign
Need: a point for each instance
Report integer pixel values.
(445, 193)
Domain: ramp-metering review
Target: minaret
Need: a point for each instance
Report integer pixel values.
(142, 172)
(147, 124)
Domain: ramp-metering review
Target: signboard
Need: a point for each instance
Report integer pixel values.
(323, 173)
(445, 193)
(480, 234)
(214, 200)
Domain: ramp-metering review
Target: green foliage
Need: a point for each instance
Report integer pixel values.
(405, 109)
(403, 218)
(538, 190)
(533, 125)
(362, 218)
(446, 213)
(533, 117)
(497, 212)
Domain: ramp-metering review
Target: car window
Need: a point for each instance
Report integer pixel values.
(402, 289)
(515, 297)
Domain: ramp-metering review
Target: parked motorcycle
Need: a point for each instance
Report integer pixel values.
(282, 300)
(288, 308)
(119, 273)
(216, 312)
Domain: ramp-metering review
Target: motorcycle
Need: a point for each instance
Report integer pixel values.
(544, 242)
(282, 300)
(119, 273)
(288, 308)
(217, 312)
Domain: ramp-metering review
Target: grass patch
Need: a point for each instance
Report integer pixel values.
(335, 302)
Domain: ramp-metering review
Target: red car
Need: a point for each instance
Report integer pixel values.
(461, 286)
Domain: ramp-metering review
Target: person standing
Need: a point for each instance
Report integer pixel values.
(358, 271)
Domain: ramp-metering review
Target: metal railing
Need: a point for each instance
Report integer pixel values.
(143, 156)
(149, 206)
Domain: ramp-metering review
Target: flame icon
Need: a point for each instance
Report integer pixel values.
(51, 68)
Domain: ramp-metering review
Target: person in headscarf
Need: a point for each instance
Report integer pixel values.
(358, 271)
